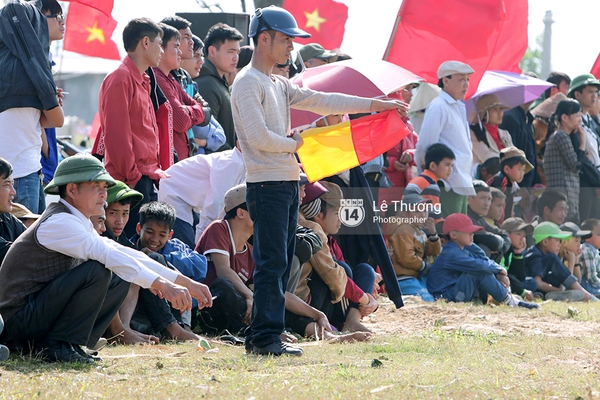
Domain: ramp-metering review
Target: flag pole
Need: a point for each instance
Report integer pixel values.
(394, 31)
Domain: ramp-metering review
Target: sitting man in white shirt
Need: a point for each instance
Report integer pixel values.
(61, 283)
(197, 185)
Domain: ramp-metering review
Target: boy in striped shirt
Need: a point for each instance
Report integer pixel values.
(439, 162)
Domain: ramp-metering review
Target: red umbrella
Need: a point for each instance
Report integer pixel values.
(365, 78)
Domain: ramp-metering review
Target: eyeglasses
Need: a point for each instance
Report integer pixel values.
(59, 17)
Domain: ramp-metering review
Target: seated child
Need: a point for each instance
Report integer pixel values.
(552, 206)
(486, 170)
(513, 260)
(120, 199)
(590, 257)
(495, 214)
(513, 166)
(413, 246)
(439, 162)
(493, 240)
(570, 249)
(553, 278)
(462, 269)
(325, 279)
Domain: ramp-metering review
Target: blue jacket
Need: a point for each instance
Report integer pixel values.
(26, 79)
(453, 262)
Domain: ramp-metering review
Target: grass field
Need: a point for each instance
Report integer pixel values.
(420, 351)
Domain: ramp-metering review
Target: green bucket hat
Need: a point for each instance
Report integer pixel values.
(549, 229)
(77, 169)
(121, 192)
(583, 80)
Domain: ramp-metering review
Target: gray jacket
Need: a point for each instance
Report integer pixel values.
(26, 79)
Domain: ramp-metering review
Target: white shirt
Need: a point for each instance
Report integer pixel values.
(446, 122)
(74, 235)
(21, 140)
(591, 142)
(199, 184)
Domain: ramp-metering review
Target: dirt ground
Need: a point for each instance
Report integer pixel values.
(418, 316)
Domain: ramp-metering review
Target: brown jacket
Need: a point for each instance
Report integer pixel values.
(333, 274)
(408, 246)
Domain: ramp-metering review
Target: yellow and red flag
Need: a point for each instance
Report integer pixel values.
(89, 32)
(333, 149)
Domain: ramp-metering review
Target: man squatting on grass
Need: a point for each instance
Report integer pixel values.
(61, 283)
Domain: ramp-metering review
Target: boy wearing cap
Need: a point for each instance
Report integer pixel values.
(313, 55)
(590, 257)
(120, 199)
(75, 294)
(446, 122)
(229, 266)
(570, 249)
(513, 167)
(462, 269)
(513, 260)
(413, 244)
(553, 278)
(584, 89)
(261, 111)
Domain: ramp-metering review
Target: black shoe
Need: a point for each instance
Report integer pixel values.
(85, 354)
(62, 352)
(526, 304)
(277, 349)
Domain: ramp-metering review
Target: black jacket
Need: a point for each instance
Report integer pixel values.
(492, 238)
(26, 79)
(215, 90)
(10, 229)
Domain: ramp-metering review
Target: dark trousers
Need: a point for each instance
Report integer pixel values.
(146, 187)
(184, 232)
(76, 307)
(227, 312)
(273, 207)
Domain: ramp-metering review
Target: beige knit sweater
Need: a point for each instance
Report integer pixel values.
(261, 113)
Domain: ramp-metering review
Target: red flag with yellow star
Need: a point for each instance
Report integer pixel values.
(323, 19)
(104, 6)
(89, 32)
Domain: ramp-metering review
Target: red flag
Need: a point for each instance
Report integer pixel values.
(323, 19)
(486, 34)
(88, 32)
(104, 6)
(596, 67)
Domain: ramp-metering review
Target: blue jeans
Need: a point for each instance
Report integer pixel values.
(415, 287)
(273, 208)
(465, 287)
(30, 192)
(363, 275)
(584, 284)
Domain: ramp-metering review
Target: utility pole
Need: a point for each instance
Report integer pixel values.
(547, 45)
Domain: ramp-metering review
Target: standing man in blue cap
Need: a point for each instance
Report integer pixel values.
(261, 111)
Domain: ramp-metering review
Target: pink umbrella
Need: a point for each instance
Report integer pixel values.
(365, 78)
(512, 89)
